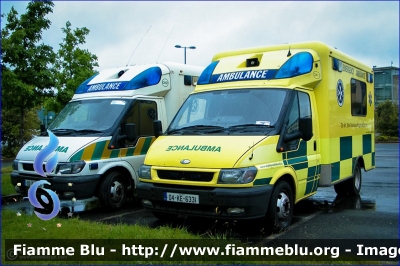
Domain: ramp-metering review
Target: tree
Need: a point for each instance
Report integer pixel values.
(73, 66)
(10, 130)
(386, 119)
(26, 75)
(33, 74)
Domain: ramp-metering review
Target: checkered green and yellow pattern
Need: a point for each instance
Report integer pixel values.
(323, 164)
(100, 150)
(339, 161)
(306, 166)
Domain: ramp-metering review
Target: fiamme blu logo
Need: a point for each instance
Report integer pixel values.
(45, 201)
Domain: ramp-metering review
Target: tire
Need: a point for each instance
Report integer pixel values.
(280, 210)
(352, 186)
(113, 191)
(164, 217)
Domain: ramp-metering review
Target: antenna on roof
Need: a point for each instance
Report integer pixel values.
(137, 46)
(165, 43)
(289, 53)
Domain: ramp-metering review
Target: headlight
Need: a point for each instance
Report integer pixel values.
(237, 176)
(70, 168)
(144, 171)
(15, 165)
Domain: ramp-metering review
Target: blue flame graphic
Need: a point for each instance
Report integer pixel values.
(51, 163)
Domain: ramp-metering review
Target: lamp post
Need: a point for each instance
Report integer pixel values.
(184, 47)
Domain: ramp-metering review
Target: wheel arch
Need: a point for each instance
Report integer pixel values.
(127, 176)
(360, 161)
(290, 180)
(286, 174)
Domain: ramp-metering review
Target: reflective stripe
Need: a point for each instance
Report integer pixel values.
(100, 151)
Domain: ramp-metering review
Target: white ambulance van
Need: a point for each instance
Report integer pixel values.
(104, 133)
(264, 128)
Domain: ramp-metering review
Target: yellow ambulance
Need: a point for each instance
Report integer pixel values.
(264, 128)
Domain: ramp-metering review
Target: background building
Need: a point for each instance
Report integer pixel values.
(386, 84)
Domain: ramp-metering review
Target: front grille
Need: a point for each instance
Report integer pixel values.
(184, 187)
(185, 175)
(29, 167)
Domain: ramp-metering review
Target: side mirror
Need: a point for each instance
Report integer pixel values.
(42, 129)
(305, 127)
(305, 133)
(157, 128)
(130, 132)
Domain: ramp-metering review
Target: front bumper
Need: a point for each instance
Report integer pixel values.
(67, 188)
(213, 202)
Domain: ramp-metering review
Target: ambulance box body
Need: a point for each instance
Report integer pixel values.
(103, 134)
(264, 128)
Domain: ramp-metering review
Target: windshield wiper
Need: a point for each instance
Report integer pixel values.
(198, 128)
(88, 131)
(249, 127)
(68, 131)
(62, 131)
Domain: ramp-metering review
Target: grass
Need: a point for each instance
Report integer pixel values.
(15, 226)
(21, 226)
(18, 225)
(6, 187)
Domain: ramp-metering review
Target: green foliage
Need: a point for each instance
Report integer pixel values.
(11, 127)
(34, 75)
(74, 65)
(25, 67)
(387, 139)
(386, 119)
(23, 54)
(382, 138)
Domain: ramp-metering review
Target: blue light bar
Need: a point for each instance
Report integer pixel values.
(147, 78)
(205, 77)
(299, 64)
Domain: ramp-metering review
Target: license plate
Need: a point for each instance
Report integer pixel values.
(29, 183)
(183, 198)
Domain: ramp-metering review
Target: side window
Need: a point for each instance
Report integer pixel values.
(142, 114)
(301, 108)
(305, 105)
(358, 98)
(190, 80)
(293, 123)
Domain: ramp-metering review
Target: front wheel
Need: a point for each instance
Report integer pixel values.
(113, 191)
(280, 210)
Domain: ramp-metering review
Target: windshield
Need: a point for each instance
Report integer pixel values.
(96, 116)
(229, 110)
